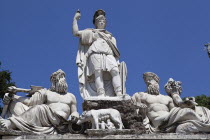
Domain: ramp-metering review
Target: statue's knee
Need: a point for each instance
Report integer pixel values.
(115, 71)
(14, 105)
(17, 108)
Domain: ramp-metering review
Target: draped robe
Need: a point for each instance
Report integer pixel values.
(37, 117)
(95, 53)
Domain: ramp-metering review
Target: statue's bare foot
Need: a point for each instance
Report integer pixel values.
(119, 94)
(101, 95)
(4, 123)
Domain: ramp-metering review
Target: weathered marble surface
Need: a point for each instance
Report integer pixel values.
(116, 98)
(162, 136)
(101, 118)
(195, 119)
(130, 118)
(10, 132)
(99, 71)
(169, 113)
(100, 133)
(45, 112)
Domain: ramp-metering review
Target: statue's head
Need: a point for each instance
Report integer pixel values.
(58, 81)
(152, 82)
(99, 19)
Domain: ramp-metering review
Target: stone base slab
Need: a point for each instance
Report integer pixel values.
(168, 136)
(116, 98)
(105, 132)
(10, 132)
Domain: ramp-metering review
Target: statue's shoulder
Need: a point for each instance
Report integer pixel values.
(88, 30)
(107, 32)
(72, 96)
(140, 94)
(43, 91)
(166, 96)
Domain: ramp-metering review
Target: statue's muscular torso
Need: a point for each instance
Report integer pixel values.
(60, 103)
(158, 106)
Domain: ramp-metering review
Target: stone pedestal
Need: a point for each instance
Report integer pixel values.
(105, 132)
(126, 108)
(163, 136)
(10, 132)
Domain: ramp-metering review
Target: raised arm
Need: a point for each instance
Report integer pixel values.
(75, 28)
(177, 99)
(171, 103)
(174, 89)
(7, 99)
(37, 98)
(24, 100)
(183, 104)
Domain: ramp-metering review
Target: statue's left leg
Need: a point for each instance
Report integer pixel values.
(16, 108)
(99, 82)
(116, 81)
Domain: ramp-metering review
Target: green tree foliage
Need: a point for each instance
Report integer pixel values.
(203, 100)
(5, 82)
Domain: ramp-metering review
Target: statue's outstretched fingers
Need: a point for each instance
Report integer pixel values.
(2, 124)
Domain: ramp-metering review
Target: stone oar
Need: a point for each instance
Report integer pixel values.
(13, 90)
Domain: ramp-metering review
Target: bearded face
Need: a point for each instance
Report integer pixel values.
(58, 81)
(152, 87)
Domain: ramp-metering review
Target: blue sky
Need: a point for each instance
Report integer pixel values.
(161, 36)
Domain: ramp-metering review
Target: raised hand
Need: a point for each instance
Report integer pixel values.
(77, 15)
(7, 99)
(74, 118)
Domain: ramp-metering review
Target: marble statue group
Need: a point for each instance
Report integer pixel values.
(102, 77)
(170, 113)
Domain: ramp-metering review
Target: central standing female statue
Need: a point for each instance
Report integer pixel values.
(98, 59)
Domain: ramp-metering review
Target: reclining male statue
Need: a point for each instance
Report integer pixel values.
(44, 111)
(170, 114)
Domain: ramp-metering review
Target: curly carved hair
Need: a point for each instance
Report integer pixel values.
(58, 81)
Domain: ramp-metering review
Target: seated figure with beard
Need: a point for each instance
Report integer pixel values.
(168, 113)
(44, 111)
(157, 106)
